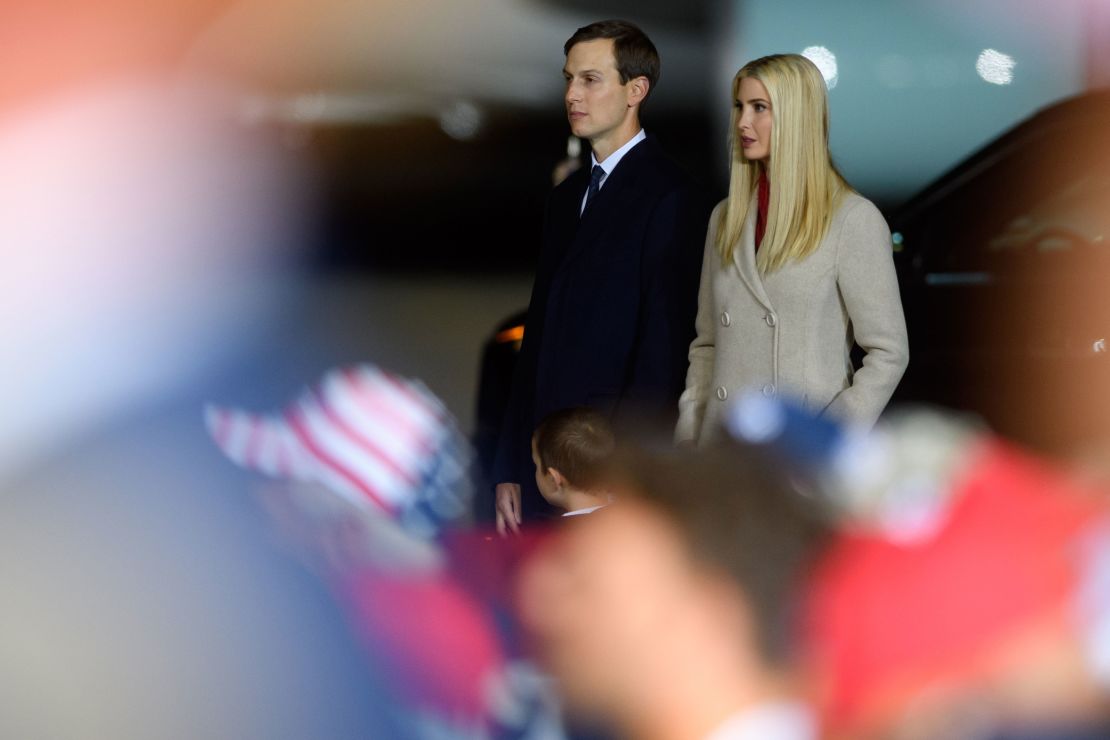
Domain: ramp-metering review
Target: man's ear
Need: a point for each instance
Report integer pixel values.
(638, 89)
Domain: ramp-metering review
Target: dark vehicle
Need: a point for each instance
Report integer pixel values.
(1004, 264)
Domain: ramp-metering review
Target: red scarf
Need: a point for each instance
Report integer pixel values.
(764, 204)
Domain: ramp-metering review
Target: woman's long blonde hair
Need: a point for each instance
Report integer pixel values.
(806, 187)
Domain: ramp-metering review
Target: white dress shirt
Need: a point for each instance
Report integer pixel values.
(610, 164)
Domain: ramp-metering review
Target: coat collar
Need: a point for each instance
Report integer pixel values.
(744, 257)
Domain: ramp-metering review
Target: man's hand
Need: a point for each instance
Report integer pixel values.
(508, 508)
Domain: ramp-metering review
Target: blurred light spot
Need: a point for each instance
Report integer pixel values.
(335, 108)
(825, 61)
(897, 237)
(895, 71)
(756, 419)
(574, 147)
(309, 108)
(461, 121)
(995, 67)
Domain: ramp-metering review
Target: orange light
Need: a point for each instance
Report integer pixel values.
(514, 334)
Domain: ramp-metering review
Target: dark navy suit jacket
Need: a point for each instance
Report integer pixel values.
(613, 305)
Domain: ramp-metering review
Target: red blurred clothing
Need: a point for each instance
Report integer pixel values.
(885, 619)
(442, 636)
(436, 643)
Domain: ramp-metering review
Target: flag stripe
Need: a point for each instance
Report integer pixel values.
(297, 424)
(409, 416)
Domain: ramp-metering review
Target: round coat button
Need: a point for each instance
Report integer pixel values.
(769, 390)
(726, 320)
(770, 319)
(722, 393)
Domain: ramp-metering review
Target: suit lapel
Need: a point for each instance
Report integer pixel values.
(562, 216)
(618, 192)
(744, 256)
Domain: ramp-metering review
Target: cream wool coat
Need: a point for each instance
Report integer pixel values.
(790, 333)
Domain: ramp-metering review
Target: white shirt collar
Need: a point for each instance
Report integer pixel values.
(588, 510)
(610, 164)
(614, 159)
(782, 721)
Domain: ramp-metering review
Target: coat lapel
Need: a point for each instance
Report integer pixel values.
(744, 256)
(564, 214)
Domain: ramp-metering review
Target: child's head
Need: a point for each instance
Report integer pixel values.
(571, 449)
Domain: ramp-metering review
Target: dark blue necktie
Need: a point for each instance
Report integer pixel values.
(596, 176)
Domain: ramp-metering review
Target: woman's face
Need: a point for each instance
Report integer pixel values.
(753, 122)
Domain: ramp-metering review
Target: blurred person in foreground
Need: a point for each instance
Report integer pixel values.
(669, 615)
(145, 249)
(798, 267)
(572, 450)
(612, 308)
(967, 596)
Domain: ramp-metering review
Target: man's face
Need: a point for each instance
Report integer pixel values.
(602, 599)
(597, 103)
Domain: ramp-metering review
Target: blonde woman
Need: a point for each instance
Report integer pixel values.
(797, 267)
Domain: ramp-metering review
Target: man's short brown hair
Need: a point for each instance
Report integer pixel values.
(635, 55)
(741, 515)
(579, 443)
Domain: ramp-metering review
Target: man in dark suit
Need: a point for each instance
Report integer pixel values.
(613, 304)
